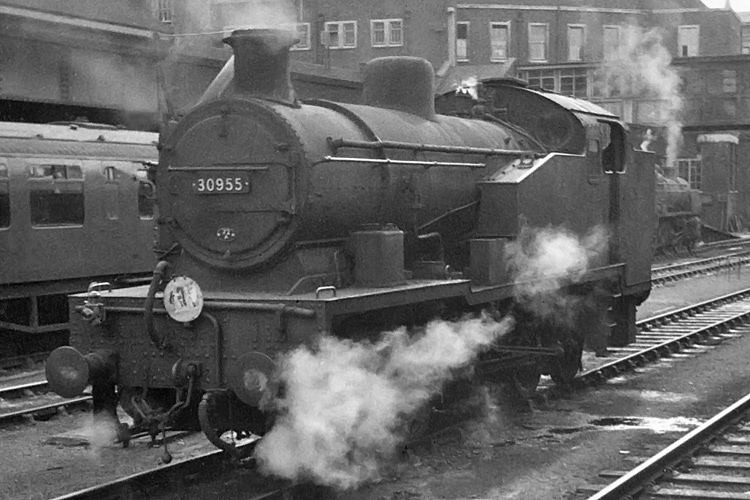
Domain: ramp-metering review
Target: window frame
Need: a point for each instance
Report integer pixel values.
(111, 191)
(341, 33)
(691, 169)
(304, 37)
(542, 75)
(32, 180)
(575, 76)
(506, 25)
(387, 32)
(582, 48)
(165, 11)
(465, 56)
(745, 39)
(615, 55)
(682, 29)
(545, 45)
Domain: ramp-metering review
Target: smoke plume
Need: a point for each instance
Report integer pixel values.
(643, 69)
(543, 261)
(345, 402)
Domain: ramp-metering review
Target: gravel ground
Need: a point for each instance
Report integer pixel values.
(545, 454)
(551, 452)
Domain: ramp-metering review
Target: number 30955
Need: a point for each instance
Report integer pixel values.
(206, 185)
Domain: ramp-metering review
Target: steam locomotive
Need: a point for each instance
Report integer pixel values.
(63, 188)
(282, 221)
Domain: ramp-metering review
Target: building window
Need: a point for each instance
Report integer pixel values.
(56, 195)
(341, 35)
(387, 32)
(611, 41)
(746, 39)
(303, 32)
(538, 42)
(687, 41)
(499, 38)
(4, 195)
(462, 41)
(576, 41)
(543, 79)
(691, 169)
(164, 11)
(574, 82)
(729, 81)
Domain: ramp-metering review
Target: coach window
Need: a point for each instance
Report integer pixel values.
(4, 195)
(111, 193)
(146, 199)
(56, 195)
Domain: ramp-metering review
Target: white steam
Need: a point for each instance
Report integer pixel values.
(643, 69)
(274, 14)
(345, 402)
(100, 430)
(543, 261)
(469, 86)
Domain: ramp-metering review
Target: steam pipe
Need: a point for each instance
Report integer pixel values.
(335, 144)
(148, 305)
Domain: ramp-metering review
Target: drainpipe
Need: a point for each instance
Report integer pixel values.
(451, 35)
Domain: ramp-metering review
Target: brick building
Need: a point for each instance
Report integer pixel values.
(129, 62)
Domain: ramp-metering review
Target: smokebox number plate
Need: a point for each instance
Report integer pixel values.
(218, 183)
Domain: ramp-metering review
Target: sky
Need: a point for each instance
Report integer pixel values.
(737, 5)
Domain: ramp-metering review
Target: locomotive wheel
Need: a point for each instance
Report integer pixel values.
(215, 413)
(525, 381)
(566, 367)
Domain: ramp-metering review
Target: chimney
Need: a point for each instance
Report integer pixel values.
(261, 62)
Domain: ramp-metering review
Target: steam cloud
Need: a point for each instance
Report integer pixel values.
(345, 402)
(469, 86)
(543, 260)
(644, 69)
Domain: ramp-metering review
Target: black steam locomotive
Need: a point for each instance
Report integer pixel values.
(281, 221)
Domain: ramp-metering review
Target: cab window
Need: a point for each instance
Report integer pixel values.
(56, 194)
(613, 147)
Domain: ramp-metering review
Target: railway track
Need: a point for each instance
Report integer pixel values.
(710, 462)
(665, 334)
(26, 360)
(177, 479)
(659, 336)
(29, 398)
